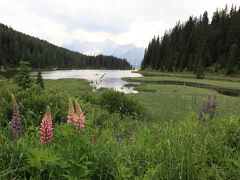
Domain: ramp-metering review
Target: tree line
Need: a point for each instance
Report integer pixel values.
(198, 45)
(16, 46)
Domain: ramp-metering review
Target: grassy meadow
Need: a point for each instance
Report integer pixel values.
(175, 103)
(155, 134)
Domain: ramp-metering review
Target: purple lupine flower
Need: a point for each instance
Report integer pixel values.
(16, 121)
(214, 102)
(209, 107)
(213, 108)
(212, 114)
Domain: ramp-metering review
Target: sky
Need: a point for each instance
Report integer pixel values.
(122, 21)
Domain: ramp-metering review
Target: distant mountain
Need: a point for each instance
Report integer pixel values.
(130, 52)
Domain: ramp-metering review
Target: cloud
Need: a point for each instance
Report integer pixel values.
(124, 21)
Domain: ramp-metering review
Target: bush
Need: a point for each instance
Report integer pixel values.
(23, 78)
(120, 103)
(40, 79)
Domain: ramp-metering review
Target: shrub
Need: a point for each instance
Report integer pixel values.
(120, 103)
(40, 79)
(23, 78)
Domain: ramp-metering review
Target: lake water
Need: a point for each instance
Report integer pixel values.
(97, 78)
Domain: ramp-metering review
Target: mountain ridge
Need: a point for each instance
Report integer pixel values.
(130, 52)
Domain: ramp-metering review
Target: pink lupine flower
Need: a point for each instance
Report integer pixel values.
(78, 108)
(16, 121)
(79, 117)
(82, 117)
(75, 119)
(46, 129)
(82, 120)
(70, 115)
(79, 121)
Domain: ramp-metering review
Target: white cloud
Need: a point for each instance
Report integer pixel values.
(124, 21)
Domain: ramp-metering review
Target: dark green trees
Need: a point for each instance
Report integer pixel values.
(197, 40)
(40, 79)
(200, 69)
(41, 54)
(233, 61)
(22, 78)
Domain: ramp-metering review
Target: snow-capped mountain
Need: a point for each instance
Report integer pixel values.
(130, 52)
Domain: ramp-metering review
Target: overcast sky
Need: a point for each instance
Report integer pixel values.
(123, 21)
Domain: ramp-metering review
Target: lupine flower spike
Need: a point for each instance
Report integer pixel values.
(79, 117)
(70, 115)
(46, 129)
(16, 121)
(209, 107)
(82, 121)
(213, 107)
(78, 108)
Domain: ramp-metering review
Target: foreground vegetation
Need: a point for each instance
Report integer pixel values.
(158, 138)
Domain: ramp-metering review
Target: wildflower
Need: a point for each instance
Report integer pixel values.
(79, 121)
(16, 121)
(213, 108)
(70, 115)
(76, 120)
(209, 107)
(79, 117)
(82, 121)
(78, 108)
(46, 129)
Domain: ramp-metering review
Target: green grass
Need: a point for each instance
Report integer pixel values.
(175, 103)
(71, 86)
(169, 143)
(159, 79)
(166, 102)
(189, 75)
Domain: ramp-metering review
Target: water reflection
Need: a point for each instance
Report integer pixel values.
(98, 78)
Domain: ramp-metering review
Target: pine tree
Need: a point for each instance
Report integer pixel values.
(22, 78)
(184, 45)
(200, 69)
(233, 61)
(40, 80)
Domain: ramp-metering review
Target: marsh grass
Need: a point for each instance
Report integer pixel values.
(174, 103)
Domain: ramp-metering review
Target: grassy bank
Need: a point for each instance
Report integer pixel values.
(198, 82)
(175, 103)
(227, 86)
(167, 142)
(209, 76)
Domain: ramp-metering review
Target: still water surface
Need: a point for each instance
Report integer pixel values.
(97, 78)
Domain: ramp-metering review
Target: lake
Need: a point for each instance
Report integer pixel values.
(97, 78)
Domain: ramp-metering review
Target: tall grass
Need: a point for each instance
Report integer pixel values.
(113, 146)
(187, 150)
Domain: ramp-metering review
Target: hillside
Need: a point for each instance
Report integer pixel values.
(16, 46)
(198, 44)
